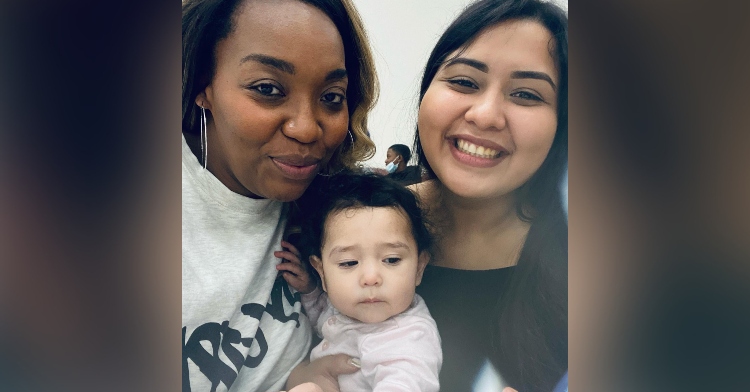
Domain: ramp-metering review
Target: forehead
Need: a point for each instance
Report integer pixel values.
(514, 45)
(365, 221)
(286, 29)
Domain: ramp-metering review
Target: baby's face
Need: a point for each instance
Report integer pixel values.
(370, 264)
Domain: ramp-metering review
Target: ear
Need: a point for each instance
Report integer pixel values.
(205, 98)
(318, 265)
(424, 258)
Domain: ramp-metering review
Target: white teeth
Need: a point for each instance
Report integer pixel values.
(473, 149)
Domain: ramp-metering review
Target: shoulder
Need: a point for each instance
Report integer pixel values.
(424, 190)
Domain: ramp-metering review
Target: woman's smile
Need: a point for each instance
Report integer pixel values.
(476, 152)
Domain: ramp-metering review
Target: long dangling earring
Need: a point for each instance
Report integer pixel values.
(351, 138)
(204, 137)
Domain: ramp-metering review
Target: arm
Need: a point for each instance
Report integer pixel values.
(407, 358)
(315, 304)
(314, 300)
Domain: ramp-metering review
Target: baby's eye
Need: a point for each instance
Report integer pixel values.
(392, 260)
(348, 264)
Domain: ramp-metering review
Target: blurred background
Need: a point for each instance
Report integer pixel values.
(658, 191)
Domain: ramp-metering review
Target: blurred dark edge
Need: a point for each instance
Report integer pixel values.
(659, 192)
(90, 165)
(90, 196)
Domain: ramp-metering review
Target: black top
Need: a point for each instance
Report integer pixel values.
(410, 175)
(462, 302)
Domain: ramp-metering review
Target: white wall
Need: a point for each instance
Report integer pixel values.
(402, 34)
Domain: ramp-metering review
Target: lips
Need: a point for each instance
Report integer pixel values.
(297, 167)
(371, 301)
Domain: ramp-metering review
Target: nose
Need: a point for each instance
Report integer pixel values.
(487, 111)
(303, 124)
(370, 276)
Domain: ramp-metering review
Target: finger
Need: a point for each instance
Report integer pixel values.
(339, 364)
(289, 256)
(291, 248)
(294, 281)
(506, 389)
(293, 268)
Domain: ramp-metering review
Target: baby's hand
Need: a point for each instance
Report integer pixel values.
(292, 269)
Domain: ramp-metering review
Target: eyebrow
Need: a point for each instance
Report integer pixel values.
(341, 249)
(514, 75)
(391, 245)
(279, 64)
(533, 75)
(471, 63)
(395, 245)
(337, 74)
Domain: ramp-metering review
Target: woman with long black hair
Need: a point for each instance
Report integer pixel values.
(492, 135)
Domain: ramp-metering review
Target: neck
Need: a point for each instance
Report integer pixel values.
(477, 234)
(477, 214)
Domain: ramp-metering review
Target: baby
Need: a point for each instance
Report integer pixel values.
(368, 242)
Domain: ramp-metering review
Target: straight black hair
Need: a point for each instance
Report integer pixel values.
(530, 338)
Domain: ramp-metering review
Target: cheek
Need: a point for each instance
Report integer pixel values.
(439, 110)
(241, 117)
(431, 120)
(537, 135)
(335, 131)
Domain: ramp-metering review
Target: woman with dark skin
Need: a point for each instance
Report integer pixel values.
(492, 136)
(274, 93)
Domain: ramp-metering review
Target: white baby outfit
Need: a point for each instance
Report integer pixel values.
(401, 353)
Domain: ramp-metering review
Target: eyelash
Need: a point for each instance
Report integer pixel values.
(335, 100)
(462, 82)
(348, 264)
(340, 97)
(352, 263)
(527, 96)
(274, 93)
(466, 83)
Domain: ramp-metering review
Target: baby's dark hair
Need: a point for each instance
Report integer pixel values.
(346, 190)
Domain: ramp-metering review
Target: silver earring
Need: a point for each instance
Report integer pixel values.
(204, 137)
(351, 139)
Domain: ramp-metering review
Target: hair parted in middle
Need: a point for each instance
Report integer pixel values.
(476, 18)
(206, 22)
